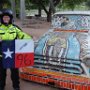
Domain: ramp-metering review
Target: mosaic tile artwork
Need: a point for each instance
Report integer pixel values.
(68, 42)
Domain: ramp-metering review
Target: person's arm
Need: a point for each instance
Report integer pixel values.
(22, 35)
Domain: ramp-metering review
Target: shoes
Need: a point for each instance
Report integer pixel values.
(16, 88)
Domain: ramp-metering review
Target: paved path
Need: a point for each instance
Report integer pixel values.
(27, 85)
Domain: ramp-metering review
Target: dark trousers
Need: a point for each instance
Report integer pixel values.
(14, 77)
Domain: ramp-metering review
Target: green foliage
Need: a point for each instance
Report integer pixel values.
(30, 5)
(17, 7)
(70, 4)
(88, 4)
(4, 4)
(34, 4)
(37, 1)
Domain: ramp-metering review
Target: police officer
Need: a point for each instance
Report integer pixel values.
(8, 31)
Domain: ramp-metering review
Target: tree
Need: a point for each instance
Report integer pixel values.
(13, 8)
(4, 3)
(42, 4)
(88, 4)
(70, 4)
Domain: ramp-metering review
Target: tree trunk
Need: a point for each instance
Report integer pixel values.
(13, 8)
(49, 17)
(52, 6)
(46, 11)
(49, 14)
(22, 9)
(39, 11)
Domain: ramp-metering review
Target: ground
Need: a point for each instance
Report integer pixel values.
(27, 85)
(36, 30)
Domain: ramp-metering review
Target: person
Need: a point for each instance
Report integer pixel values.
(9, 31)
